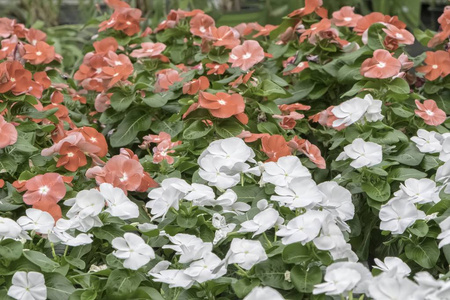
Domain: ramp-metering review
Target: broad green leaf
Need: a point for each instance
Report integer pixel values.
(272, 272)
(410, 156)
(376, 36)
(399, 86)
(196, 130)
(120, 100)
(269, 107)
(172, 128)
(425, 253)
(41, 260)
(58, 287)
(122, 283)
(228, 128)
(401, 174)
(378, 191)
(135, 121)
(296, 253)
(159, 99)
(244, 286)
(304, 279)
(10, 249)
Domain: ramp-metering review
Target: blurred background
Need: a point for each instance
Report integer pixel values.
(71, 23)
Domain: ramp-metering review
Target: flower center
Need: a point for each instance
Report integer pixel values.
(128, 23)
(435, 67)
(70, 154)
(202, 29)
(429, 112)
(93, 139)
(43, 190)
(300, 65)
(124, 177)
(399, 35)
(247, 55)
(39, 53)
(222, 102)
(347, 19)
(381, 65)
(13, 79)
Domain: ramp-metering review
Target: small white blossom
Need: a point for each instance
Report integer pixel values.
(262, 222)
(393, 265)
(28, 286)
(118, 203)
(281, 173)
(37, 220)
(427, 141)
(203, 270)
(133, 249)
(246, 253)
(350, 111)
(364, 154)
(264, 292)
(398, 214)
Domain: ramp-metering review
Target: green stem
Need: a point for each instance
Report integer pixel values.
(267, 240)
(55, 257)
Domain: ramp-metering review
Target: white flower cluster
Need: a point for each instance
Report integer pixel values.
(433, 142)
(355, 109)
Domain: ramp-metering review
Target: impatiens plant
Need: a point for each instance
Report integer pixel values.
(304, 160)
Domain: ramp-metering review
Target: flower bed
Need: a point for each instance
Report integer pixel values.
(308, 160)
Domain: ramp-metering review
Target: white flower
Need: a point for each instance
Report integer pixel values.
(28, 286)
(398, 214)
(9, 229)
(214, 170)
(443, 173)
(445, 152)
(444, 236)
(427, 141)
(373, 112)
(87, 203)
(233, 150)
(262, 222)
(118, 203)
(229, 203)
(133, 249)
(85, 224)
(174, 278)
(303, 228)
(220, 223)
(344, 252)
(146, 227)
(168, 195)
(281, 173)
(419, 190)
(350, 111)
(188, 246)
(202, 270)
(363, 153)
(343, 277)
(330, 237)
(200, 195)
(37, 220)
(301, 192)
(393, 265)
(246, 253)
(59, 234)
(264, 292)
(337, 200)
(388, 288)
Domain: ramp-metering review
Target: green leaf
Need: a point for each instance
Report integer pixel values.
(268, 127)
(420, 228)
(401, 112)
(401, 174)
(425, 254)
(186, 221)
(172, 128)
(244, 286)
(151, 292)
(378, 191)
(399, 86)
(296, 253)
(196, 130)
(7, 164)
(120, 100)
(135, 121)
(305, 279)
(58, 287)
(272, 272)
(376, 36)
(159, 100)
(228, 128)
(300, 91)
(76, 262)
(271, 90)
(410, 156)
(10, 250)
(25, 142)
(122, 283)
(269, 107)
(41, 260)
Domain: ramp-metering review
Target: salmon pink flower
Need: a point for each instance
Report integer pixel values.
(71, 157)
(310, 7)
(124, 19)
(430, 112)
(251, 137)
(224, 36)
(316, 28)
(345, 17)
(154, 138)
(288, 121)
(34, 36)
(381, 65)
(376, 17)
(8, 47)
(2, 183)
(48, 188)
(102, 102)
(216, 69)
(149, 49)
(42, 53)
(297, 69)
(246, 55)
(265, 31)
(310, 150)
(106, 45)
(402, 36)
(437, 65)
(6, 27)
(200, 25)
(165, 79)
(274, 147)
(196, 85)
(222, 105)
(8, 133)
